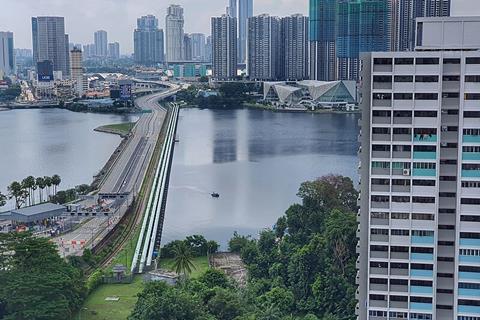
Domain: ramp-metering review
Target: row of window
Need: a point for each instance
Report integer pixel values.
(428, 79)
(409, 96)
(471, 149)
(403, 199)
(404, 315)
(402, 216)
(471, 132)
(400, 147)
(402, 232)
(470, 252)
(401, 265)
(418, 132)
(423, 61)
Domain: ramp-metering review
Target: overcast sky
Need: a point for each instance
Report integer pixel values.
(118, 17)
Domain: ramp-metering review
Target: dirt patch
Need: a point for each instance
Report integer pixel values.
(231, 264)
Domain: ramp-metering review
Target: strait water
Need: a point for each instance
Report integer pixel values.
(54, 141)
(256, 160)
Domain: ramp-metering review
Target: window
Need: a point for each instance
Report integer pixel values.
(378, 297)
(426, 114)
(447, 178)
(385, 79)
(469, 235)
(379, 248)
(470, 252)
(403, 96)
(421, 299)
(398, 315)
(376, 130)
(424, 183)
(426, 78)
(422, 233)
(426, 96)
(381, 96)
(379, 215)
(400, 232)
(400, 182)
(382, 182)
(383, 232)
(470, 184)
(423, 216)
(471, 114)
(398, 265)
(400, 199)
(402, 114)
(472, 96)
(427, 61)
(376, 264)
(421, 266)
(377, 313)
(381, 147)
(423, 199)
(451, 78)
(378, 281)
(403, 79)
(403, 61)
(472, 78)
(421, 283)
(446, 259)
(447, 211)
(402, 148)
(422, 250)
(447, 291)
(382, 61)
(447, 95)
(468, 318)
(399, 298)
(471, 201)
(471, 149)
(469, 269)
(444, 307)
(451, 61)
(401, 165)
(448, 162)
(470, 166)
(472, 60)
(399, 249)
(470, 218)
(420, 316)
(381, 113)
(471, 132)
(446, 243)
(445, 227)
(400, 215)
(424, 148)
(380, 165)
(469, 302)
(447, 194)
(424, 165)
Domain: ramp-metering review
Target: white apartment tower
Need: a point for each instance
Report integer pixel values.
(419, 222)
(224, 47)
(174, 23)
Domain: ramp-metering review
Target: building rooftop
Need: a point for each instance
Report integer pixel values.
(34, 213)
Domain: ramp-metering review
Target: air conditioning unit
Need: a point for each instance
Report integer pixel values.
(406, 172)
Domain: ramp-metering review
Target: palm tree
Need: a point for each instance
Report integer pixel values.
(56, 180)
(40, 182)
(17, 192)
(48, 184)
(28, 184)
(182, 261)
(3, 199)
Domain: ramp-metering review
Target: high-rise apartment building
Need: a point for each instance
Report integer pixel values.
(419, 222)
(148, 41)
(245, 11)
(404, 14)
(323, 21)
(264, 49)
(232, 9)
(224, 47)
(208, 49)
(77, 71)
(362, 26)
(50, 42)
(114, 50)
(101, 43)
(198, 47)
(187, 47)
(295, 47)
(174, 24)
(7, 57)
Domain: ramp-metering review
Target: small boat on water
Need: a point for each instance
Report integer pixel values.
(215, 195)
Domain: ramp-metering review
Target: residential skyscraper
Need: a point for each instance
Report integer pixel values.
(187, 47)
(208, 49)
(49, 42)
(101, 43)
(114, 50)
(404, 14)
(232, 8)
(245, 11)
(77, 71)
(264, 48)
(224, 47)
(7, 57)
(198, 46)
(295, 47)
(362, 26)
(322, 25)
(148, 41)
(419, 218)
(174, 23)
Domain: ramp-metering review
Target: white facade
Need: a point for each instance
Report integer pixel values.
(174, 34)
(419, 222)
(224, 47)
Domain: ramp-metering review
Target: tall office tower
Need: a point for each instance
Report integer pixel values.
(245, 11)
(174, 33)
(322, 39)
(362, 26)
(187, 47)
(224, 47)
(419, 222)
(7, 58)
(264, 48)
(67, 55)
(208, 49)
(101, 43)
(114, 50)
(148, 41)
(48, 38)
(405, 12)
(295, 47)
(198, 46)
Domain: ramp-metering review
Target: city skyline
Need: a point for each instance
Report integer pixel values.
(81, 23)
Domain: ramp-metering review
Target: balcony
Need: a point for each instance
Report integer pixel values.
(471, 139)
(381, 137)
(421, 273)
(402, 137)
(402, 120)
(468, 309)
(469, 259)
(421, 290)
(471, 173)
(425, 138)
(421, 256)
(402, 154)
(469, 242)
(427, 172)
(471, 156)
(422, 240)
(381, 154)
(420, 306)
(469, 292)
(399, 304)
(418, 155)
(381, 120)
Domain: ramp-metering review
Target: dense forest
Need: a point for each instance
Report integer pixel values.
(303, 268)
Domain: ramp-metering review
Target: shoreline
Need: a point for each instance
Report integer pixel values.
(121, 129)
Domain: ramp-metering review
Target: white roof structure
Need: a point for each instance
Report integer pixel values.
(316, 92)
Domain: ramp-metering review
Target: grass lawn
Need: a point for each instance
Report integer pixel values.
(201, 265)
(120, 128)
(96, 308)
